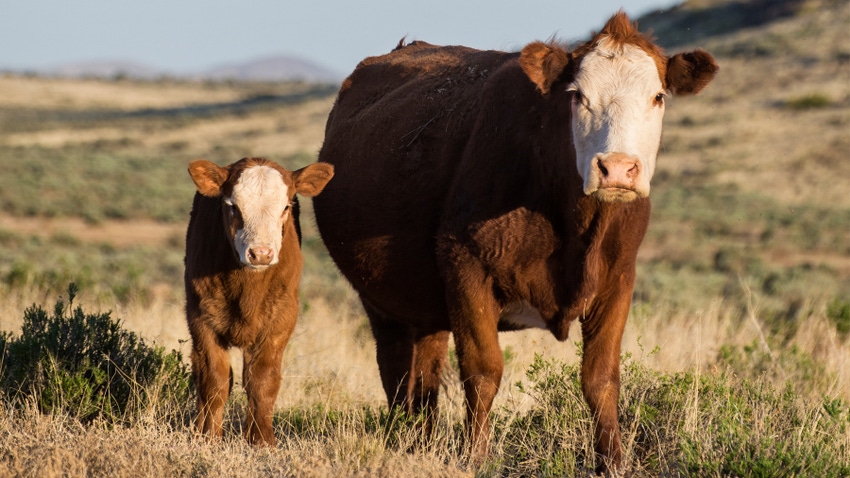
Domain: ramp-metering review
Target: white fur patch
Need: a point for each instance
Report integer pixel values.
(617, 111)
(261, 196)
(522, 314)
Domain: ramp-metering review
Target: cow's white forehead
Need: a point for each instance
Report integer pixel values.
(612, 69)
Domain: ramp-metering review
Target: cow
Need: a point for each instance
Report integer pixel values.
(486, 191)
(243, 265)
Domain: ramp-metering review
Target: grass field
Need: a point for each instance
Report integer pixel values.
(743, 284)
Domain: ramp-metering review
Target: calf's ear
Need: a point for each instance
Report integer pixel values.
(310, 180)
(208, 177)
(688, 73)
(543, 64)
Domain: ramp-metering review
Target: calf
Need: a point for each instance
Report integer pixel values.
(243, 265)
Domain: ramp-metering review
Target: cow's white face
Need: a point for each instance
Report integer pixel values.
(257, 209)
(617, 108)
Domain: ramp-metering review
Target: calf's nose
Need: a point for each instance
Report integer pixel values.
(618, 170)
(260, 255)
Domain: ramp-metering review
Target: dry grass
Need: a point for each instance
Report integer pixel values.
(331, 397)
(66, 94)
(59, 447)
(260, 135)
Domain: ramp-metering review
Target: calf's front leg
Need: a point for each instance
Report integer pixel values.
(261, 377)
(211, 376)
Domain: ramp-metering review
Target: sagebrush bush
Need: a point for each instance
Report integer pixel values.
(86, 365)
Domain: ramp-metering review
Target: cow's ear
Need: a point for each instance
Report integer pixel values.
(310, 180)
(688, 73)
(543, 63)
(208, 177)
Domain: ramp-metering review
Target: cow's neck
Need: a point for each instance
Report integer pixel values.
(585, 257)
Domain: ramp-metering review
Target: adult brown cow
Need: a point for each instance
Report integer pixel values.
(480, 191)
(243, 266)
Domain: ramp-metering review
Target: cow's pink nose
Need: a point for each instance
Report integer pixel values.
(618, 170)
(260, 256)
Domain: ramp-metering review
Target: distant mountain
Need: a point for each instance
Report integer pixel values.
(276, 68)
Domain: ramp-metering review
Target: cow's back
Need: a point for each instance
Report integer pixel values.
(395, 137)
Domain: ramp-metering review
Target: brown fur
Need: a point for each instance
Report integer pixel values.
(459, 195)
(229, 305)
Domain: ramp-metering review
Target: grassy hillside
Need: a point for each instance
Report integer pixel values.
(743, 281)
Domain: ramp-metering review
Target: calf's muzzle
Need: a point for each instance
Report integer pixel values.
(260, 256)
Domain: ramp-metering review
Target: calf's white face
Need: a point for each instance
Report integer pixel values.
(258, 206)
(617, 110)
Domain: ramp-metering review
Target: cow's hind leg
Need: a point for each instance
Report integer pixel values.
(261, 378)
(394, 343)
(212, 378)
(429, 356)
(411, 364)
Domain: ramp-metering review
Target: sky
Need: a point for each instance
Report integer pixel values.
(184, 36)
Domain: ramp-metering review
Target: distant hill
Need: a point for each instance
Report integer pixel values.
(694, 20)
(275, 68)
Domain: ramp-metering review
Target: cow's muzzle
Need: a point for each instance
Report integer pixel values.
(615, 177)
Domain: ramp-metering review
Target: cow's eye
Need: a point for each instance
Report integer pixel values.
(232, 209)
(659, 98)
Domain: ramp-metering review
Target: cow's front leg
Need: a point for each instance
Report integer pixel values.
(261, 377)
(474, 321)
(602, 332)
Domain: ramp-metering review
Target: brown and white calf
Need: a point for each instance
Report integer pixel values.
(486, 191)
(243, 266)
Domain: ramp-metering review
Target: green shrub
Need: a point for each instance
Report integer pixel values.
(808, 102)
(87, 366)
(681, 424)
(838, 312)
(551, 438)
